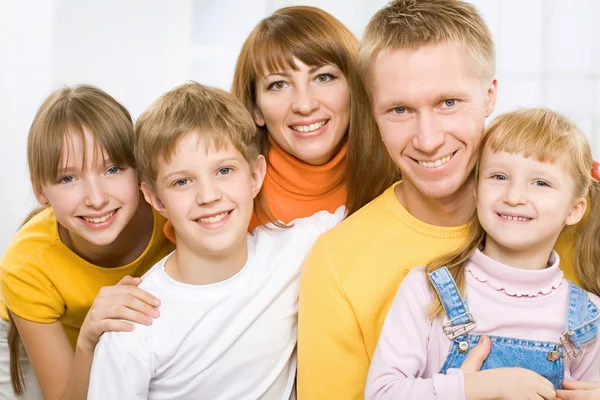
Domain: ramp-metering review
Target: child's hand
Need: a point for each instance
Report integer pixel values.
(124, 301)
(579, 391)
(508, 384)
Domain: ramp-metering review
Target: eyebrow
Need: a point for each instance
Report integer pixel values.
(71, 168)
(310, 71)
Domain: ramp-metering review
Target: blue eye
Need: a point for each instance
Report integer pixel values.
(399, 110)
(542, 184)
(499, 177)
(180, 182)
(225, 170)
(66, 179)
(113, 170)
(450, 103)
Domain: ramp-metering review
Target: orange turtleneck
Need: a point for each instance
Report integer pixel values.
(294, 189)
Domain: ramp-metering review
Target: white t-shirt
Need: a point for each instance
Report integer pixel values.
(234, 339)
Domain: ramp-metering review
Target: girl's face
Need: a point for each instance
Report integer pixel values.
(307, 112)
(523, 204)
(94, 201)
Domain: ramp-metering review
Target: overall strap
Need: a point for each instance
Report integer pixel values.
(460, 320)
(582, 317)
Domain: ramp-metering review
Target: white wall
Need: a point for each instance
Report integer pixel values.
(548, 54)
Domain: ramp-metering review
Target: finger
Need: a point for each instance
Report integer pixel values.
(126, 314)
(575, 385)
(569, 395)
(546, 389)
(110, 292)
(132, 303)
(130, 280)
(113, 325)
(476, 356)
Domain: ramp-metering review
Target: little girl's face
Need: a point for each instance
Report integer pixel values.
(94, 200)
(523, 204)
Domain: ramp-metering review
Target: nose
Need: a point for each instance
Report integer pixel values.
(95, 194)
(304, 100)
(208, 192)
(515, 194)
(429, 136)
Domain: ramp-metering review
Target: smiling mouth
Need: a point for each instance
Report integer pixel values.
(309, 128)
(436, 163)
(98, 220)
(514, 218)
(214, 218)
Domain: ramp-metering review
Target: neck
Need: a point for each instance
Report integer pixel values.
(453, 210)
(193, 266)
(528, 259)
(126, 248)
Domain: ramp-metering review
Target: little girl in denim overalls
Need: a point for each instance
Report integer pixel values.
(505, 284)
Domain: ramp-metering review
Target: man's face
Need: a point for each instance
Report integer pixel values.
(431, 106)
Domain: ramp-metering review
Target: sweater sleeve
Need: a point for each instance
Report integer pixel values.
(401, 354)
(332, 360)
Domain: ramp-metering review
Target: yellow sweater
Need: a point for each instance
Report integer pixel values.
(348, 284)
(43, 281)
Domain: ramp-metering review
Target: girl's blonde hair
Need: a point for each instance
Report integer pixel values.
(312, 36)
(62, 117)
(546, 136)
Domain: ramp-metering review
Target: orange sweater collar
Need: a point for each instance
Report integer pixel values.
(301, 180)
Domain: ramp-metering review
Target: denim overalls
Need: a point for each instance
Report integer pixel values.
(545, 358)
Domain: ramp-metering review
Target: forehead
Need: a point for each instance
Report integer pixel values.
(81, 149)
(417, 75)
(523, 163)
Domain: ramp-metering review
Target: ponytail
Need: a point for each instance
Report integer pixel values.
(14, 340)
(587, 258)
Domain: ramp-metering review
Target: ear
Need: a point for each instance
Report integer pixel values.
(258, 116)
(577, 211)
(40, 196)
(492, 92)
(153, 200)
(258, 175)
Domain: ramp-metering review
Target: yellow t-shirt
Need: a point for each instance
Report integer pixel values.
(43, 281)
(349, 281)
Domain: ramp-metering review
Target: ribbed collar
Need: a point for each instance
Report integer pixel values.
(300, 180)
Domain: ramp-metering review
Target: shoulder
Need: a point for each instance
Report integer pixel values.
(39, 236)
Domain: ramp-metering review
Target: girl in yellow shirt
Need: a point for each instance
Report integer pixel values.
(65, 277)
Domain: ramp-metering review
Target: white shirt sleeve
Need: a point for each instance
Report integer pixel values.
(121, 367)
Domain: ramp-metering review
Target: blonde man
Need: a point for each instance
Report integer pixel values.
(429, 67)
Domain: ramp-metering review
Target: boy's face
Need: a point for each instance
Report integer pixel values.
(94, 201)
(430, 107)
(208, 194)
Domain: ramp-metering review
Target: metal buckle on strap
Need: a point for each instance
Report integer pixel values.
(454, 331)
(566, 344)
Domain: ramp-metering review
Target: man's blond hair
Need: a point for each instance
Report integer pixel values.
(192, 108)
(412, 24)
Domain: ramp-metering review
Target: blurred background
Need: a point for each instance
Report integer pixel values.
(548, 54)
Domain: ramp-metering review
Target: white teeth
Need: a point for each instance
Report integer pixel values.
(100, 219)
(213, 219)
(511, 218)
(436, 163)
(309, 128)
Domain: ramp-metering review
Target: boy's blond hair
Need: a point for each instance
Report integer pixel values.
(412, 24)
(192, 108)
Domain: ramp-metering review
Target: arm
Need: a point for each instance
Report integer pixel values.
(64, 373)
(332, 359)
(121, 368)
(401, 353)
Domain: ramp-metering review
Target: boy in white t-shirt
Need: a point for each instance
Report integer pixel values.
(229, 299)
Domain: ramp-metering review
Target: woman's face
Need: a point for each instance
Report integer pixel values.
(307, 112)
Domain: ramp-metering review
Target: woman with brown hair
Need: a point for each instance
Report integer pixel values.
(296, 74)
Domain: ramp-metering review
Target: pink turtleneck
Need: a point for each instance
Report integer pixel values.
(505, 301)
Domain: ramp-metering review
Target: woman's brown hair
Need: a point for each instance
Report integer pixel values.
(62, 117)
(546, 136)
(312, 36)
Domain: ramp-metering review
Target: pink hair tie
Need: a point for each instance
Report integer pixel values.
(595, 173)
